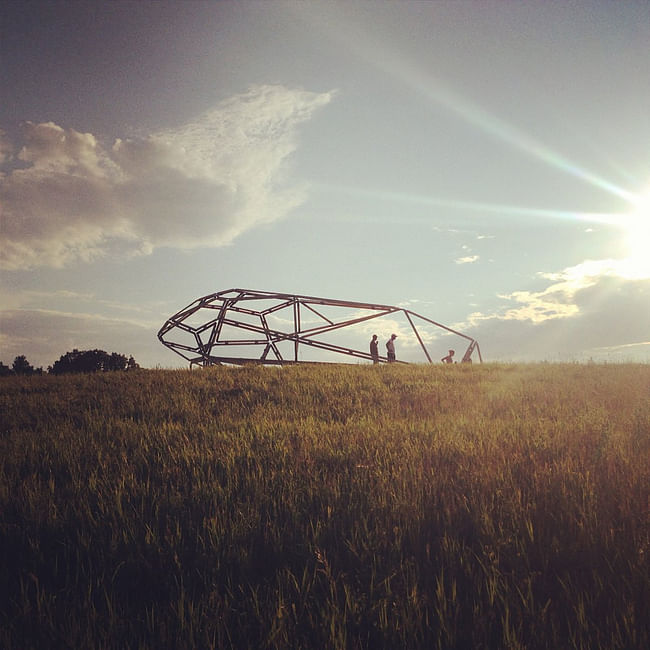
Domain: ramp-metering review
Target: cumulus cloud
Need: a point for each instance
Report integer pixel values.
(68, 197)
(595, 309)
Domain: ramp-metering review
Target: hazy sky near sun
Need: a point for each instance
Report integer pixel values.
(485, 164)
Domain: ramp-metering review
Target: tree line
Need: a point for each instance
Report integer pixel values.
(71, 362)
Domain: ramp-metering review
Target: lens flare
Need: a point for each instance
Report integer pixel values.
(637, 227)
(467, 206)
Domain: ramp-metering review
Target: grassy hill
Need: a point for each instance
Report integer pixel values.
(333, 506)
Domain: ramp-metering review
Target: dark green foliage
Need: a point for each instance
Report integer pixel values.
(91, 361)
(328, 507)
(22, 367)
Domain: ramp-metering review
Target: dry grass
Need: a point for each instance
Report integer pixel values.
(327, 507)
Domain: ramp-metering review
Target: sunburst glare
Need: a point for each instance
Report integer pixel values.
(637, 229)
(635, 224)
(471, 206)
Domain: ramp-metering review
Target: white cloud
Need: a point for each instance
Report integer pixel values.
(599, 308)
(468, 259)
(69, 198)
(560, 299)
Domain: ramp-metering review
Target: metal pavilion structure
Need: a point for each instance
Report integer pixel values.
(239, 326)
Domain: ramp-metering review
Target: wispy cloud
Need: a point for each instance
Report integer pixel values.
(44, 335)
(67, 197)
(468, 259)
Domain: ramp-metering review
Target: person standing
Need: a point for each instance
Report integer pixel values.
(390, 348)
(374, 349)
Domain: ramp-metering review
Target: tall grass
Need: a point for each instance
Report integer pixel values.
(488, 506)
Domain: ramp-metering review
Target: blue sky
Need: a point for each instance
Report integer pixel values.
(485, 164)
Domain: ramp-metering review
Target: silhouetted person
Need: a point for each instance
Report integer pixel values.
(390, 348)
(449, 358)
(374, 349)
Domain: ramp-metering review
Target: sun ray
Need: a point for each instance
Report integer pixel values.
(410, 73)
(606, 218)
(516, 138)
(632, 219)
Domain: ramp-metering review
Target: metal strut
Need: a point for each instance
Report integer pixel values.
(196, 332)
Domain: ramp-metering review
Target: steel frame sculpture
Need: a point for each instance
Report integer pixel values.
(206, 344)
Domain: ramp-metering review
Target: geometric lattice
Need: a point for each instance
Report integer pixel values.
(238, 326)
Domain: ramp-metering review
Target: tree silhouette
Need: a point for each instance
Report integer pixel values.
(91, 361)
(75, 361)
(22, 367)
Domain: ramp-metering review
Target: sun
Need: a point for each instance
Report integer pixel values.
(637, 233)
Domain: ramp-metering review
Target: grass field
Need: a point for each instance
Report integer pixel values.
(491, 506)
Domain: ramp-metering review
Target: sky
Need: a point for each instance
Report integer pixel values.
(483, 164)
